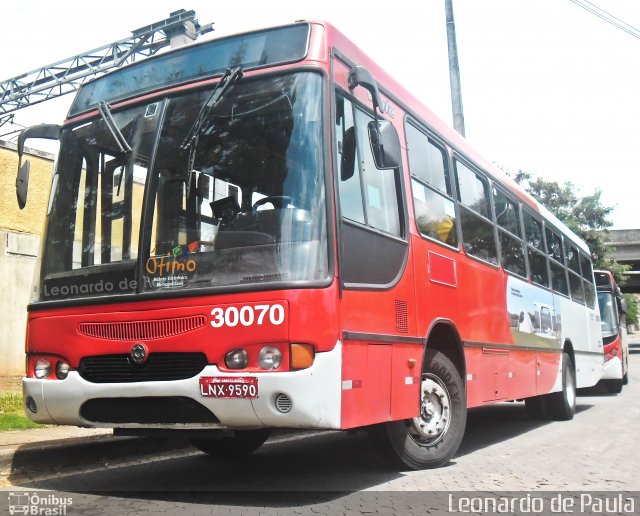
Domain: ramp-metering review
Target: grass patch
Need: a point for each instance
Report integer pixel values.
(12, 415)
(16, 421)
(10, 402)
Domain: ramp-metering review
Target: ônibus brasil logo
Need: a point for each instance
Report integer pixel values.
(40, 504)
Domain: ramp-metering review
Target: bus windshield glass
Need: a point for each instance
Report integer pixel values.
(608, 322)
(241, 203)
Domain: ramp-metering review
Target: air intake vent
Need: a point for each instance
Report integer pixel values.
(283, 403)
(142, 330)
(402, 317)
(146, 410)
(160, 367)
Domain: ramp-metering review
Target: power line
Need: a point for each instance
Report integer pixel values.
(607, 17)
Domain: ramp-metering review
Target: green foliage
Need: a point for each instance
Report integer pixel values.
(13, 421)
(585, 215)
(12, 415)
(10, 402)
(632, 308)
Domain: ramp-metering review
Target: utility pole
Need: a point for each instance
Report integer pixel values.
(454, 70)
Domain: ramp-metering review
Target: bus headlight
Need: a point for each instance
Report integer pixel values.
(62, 370)
(236, 359)
(270, 358)
(42, 368)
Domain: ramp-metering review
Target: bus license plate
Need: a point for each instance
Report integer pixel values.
(228, 387)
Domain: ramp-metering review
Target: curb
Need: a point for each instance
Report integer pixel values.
(65, 453)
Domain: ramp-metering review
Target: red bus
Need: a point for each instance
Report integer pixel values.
(268, 231)
(614, 332)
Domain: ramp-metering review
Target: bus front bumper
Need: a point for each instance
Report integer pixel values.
(612, 369)
(314, 395)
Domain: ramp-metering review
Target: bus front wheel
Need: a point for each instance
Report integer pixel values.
(432, 438)
(241, 444)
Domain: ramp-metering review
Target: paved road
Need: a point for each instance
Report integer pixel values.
(503, 450)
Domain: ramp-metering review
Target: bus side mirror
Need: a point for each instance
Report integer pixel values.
(622, 305)
(360, 76)
(385, 144)
(46, 131)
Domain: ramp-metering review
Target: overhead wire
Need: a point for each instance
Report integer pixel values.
(607, 17)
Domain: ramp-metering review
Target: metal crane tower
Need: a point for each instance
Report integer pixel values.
(67, 75)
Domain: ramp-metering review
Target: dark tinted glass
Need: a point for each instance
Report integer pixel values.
(559, 279)
(512, 251)
(571, 255)
(585, 266)
(427, 161)
(554, 246)
(507, 212)
(478, 236)
(533, 231)
(538, 266)
(589, 293)
(575, 285)
(473, 190)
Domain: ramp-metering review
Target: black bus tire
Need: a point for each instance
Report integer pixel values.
(562, 405)
(537, 407)
(432, 438)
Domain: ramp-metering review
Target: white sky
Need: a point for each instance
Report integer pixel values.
(546, 86)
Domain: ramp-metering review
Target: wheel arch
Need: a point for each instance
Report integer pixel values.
(443, 336)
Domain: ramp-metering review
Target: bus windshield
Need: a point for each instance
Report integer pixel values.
(608, 322)
(136, 206)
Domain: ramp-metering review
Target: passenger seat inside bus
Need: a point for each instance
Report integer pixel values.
(234, 227)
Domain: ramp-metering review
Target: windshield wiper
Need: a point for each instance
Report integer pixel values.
(191, 140)
(105, 112)
(121, 141)
(226, 81)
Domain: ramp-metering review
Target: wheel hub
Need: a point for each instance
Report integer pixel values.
(435, 412)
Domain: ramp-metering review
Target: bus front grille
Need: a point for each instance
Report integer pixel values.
(146, 410)
(159, 367)
(142, 330)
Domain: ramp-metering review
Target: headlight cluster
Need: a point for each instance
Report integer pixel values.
(269, 358)
(44, 366)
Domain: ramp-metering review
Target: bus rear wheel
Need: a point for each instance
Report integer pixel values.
(537, 407)
(562, 405)
(241, 444)
(430, 439)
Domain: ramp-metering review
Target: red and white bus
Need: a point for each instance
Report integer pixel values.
(268, 231)
(614, 332)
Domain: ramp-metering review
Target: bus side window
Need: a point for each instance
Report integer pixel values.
(535, 250)
(478, 232)
(380, 186)
(575, 281)
(511, 245)
(350, 186)
(587, 275)
(556, 262)
(367, 195)
(434, 209)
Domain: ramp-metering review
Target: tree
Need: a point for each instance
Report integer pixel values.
(586, 216)
(632, 308)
